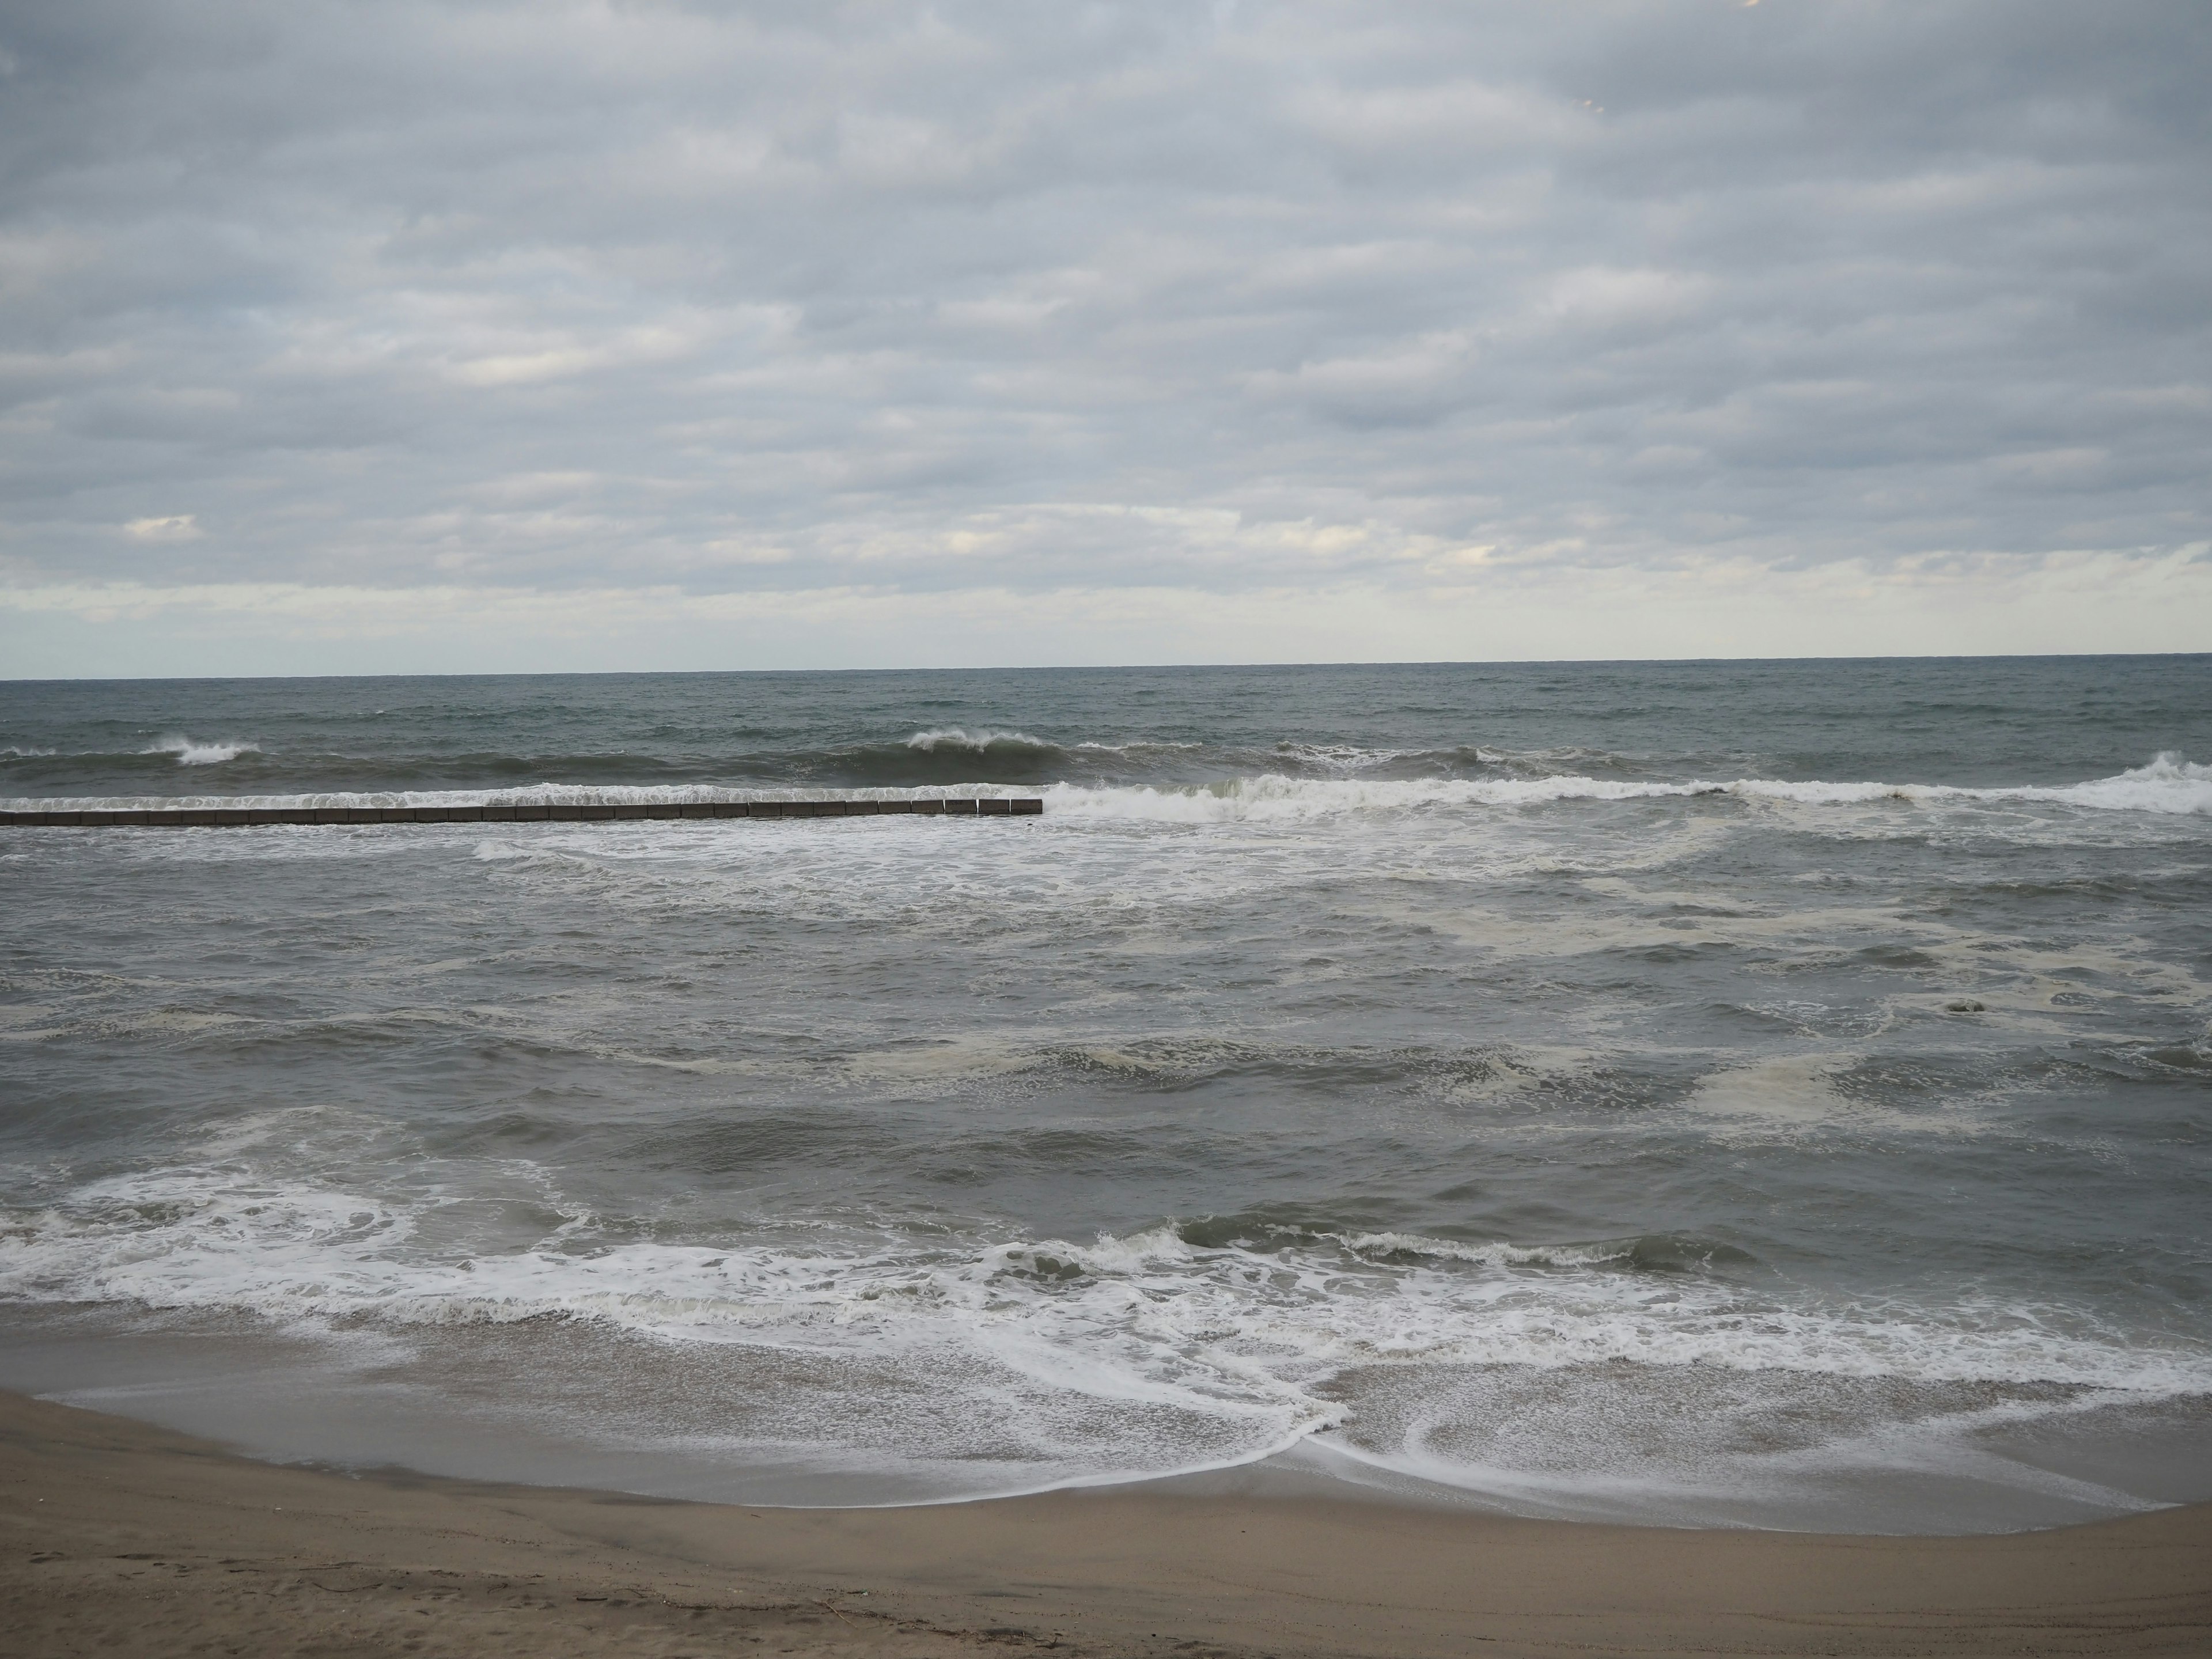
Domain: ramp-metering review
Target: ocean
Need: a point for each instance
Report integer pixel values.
(1709, 1094)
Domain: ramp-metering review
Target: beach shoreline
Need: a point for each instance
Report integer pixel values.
(127, 1535)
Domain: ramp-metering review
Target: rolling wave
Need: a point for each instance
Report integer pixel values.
(1176, 1349)
(191, 752)
(980, 743)
(173, 749)
(238, 1238)
(2166, 785)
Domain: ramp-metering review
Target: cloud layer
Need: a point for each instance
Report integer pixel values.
(1089, 323)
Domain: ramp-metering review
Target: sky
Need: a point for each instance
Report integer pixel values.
(434, 335)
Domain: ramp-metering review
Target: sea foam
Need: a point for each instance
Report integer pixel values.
(966, 1365)
(2168, 784)
(1252, 1323)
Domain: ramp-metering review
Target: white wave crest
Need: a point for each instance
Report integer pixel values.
(1343, 756)
(190, 753)
(2168, 784)
(983, 1366)
(1496, 1254)
(1229, 1321)
(953, 737)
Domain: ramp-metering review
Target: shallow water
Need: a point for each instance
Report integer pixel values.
(1725, 1093)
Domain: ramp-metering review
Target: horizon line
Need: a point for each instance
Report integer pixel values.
(1128, 667)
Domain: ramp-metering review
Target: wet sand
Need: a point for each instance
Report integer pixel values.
(126, 1538)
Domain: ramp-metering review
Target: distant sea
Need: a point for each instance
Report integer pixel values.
(1771, 1094)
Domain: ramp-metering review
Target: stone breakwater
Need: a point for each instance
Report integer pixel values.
(550, 813)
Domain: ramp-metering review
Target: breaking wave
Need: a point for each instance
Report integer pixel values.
(1192, 1346)
(2168, 784)
(1175, 1303)
(980, 742)
(191, 752)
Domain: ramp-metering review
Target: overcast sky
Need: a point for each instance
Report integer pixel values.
(417, 334)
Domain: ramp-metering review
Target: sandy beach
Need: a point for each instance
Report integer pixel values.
(129, 1538)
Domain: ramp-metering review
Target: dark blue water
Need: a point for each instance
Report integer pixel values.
(1771, 1093)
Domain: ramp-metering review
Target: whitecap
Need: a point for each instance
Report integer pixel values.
(191, 752)
(2168, 784)
(981, 742)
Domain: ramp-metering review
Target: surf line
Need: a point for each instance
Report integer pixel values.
(208, 817)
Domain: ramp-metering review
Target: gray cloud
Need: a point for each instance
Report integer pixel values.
(793, 299)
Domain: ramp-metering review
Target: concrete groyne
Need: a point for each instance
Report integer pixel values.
(208, 817)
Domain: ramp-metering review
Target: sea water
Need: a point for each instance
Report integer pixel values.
(1725, 1093)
